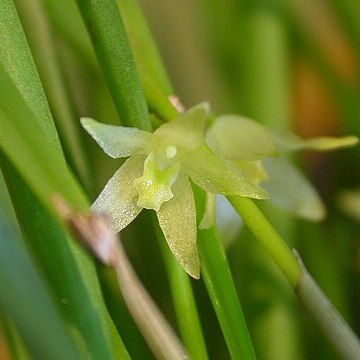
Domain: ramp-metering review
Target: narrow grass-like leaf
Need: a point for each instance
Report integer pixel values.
(217, 277)
(42, 43)
(218, 280)
(29, 141)
(17, 62)
(110, 42)
(35, 316)
(70, 272)
(344, 340)
(152, 73)
(145, 51)
(69, 26)
(34, 150)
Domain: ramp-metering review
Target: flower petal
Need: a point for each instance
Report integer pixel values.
(154, 186)
(228, 221)
(291, 142)
(118, 141)
(208, 220)
(237, 138)
(349, 202)
(218, 176)
(119, 197)
(253, 171)
(187, 131)
(177, 219)
(291, 191)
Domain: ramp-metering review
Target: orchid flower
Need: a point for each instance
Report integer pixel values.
(156, 176)
(229, 137)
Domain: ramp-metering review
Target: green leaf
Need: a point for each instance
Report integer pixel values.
(152, 73)
(36, 316)
(291, 142)
(34, 165)
(69, 271)
(218, 176)
(145, 51)
(17, 62)
(33, 149)
(39, 34)
(70, 27)
(118, 141)
(115, 57)
(237, 138)
(290, 190)
(220, 286)
(177, 219)
(119, 197)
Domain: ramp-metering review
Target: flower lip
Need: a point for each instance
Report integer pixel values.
(154, 186)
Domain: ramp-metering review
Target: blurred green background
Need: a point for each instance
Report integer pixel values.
(289, 64)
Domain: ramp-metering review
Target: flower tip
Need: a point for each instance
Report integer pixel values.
(196, 275)
(313, 211)
(352, 140)
(86, 122)
(260, 194)
(204, 106)
(193, 270)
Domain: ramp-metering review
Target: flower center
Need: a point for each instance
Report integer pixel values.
(171, 151)
(154, 186)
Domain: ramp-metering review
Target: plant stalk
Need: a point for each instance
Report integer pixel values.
(111, 46)
(330, 321)
(219, 283)
(184, 302)
(268, 237)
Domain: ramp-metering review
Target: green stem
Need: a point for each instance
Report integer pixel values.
(184, 302)
(158, 102)
(268, 237)
(330, 321)
(153, 76)
(111, 45)
(145, 50)
(218, 280)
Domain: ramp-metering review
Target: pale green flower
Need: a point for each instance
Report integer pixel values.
(156, 176)
(287, 187)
